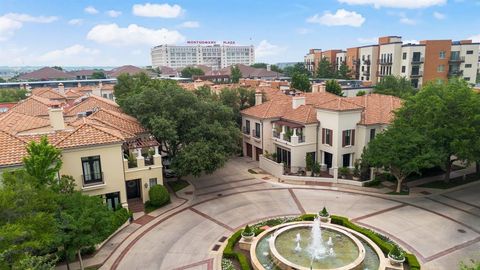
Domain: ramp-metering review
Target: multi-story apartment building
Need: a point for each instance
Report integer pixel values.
(430, 60)
(340, 58)
(108, 153)
(312, 59)
(215, 56)
(333, 129)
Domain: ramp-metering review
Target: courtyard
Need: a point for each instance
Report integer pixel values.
(441, 229)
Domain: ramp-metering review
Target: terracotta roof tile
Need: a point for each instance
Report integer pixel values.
(12, 149)
(88, 135)
(35, 106)
(48, 93)
(15, 122)
(91, 103)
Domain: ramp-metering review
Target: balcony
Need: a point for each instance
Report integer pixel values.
(92, 179)
(287, 137)
(366, 73)
(455, 73)
(366, 62)
(416, 74)
(356, 62)
(246, 131)
(276, 134)
(457, 59)
(301, 139)
(418, 61)
(256, 134)
(385, 61)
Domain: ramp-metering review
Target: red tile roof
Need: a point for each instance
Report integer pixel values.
(91, 103)
(35, 106)
(13, 149)
(46, 73)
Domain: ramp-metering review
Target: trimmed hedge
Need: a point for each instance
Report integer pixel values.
(159, 195)
(228, 252)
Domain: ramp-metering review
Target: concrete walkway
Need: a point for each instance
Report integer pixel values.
(441, 229)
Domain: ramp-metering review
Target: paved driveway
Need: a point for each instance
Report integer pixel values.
(441, 229)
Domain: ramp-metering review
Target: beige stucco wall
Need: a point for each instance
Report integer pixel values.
(471, 59)
(144, 173)
(409, 50)
(111, 160)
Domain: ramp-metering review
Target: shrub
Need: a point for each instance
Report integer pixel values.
(316, 168)
(307, 217)
(397, 253)
(412, 261)
(344, 171)
(119, 218)
(159, 195)
(227, 264)
(229, 253)
(324, 212)
(247, 231)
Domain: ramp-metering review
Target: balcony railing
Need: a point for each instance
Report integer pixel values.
(457, 59)
(256, 133)
(301, 139)
(246, 131)
(385, 61)
(366, 62)
(418, 60)
(366, 73)
(149, 161)
(276, 134)
(92, 179)
(416, 74)
(455, 73)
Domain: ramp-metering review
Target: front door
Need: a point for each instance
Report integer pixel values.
(249, 149)
(258, 152)
(133, 189)
(328, 159)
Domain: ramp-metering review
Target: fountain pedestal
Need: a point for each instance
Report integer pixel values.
(245, 244)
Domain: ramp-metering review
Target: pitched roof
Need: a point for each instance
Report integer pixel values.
(72, 94)
(132, 70)
(247, 72)
(49, 93)
(15, 122)
(35, 106)
(91, 103)
(88, 134)
(379, 109)
(46, 73)
(13, 149)
(339, 104)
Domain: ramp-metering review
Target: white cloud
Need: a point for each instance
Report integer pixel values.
(396, 3)
(132, 35)
(439, 16)
(91, 10)
(157, 10)
(11, 22)
(190, 24)
(113, 13)
(264, 49)
(74, 55)
(475, 38)
(408, 21)
(75, 22)
(341, 18)
(367, 40)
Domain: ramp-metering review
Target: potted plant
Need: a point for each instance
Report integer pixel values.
(343, 171)
(248, 233)
(324, 215)
(310, 163)
(316, 169)
(356, 170)
(396, 255)
(273, 157)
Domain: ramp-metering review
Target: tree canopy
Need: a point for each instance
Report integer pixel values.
(325, 69)
(235, 74)
(259, 65)
(12, 94)
(332, 86)
(344, 72)
(198, 134)
(98, 75)
(301, 82)
(297, 68)
(43, 161)
(395, 86)
(189, 72)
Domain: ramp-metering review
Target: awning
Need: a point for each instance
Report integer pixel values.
(141, 143)
(288, 124)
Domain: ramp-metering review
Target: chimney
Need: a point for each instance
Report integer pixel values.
(61, 89)
(322, 87)
(269, 67)
(258, 98)
(298, 101)
(79, 84)
(56, 118)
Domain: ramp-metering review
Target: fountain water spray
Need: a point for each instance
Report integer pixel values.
(330, 243)
(317, 249)
(298, 248)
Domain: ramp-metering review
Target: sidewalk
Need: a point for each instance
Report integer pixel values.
(453, 174)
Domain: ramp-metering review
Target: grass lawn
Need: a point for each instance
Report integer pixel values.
(178, 185)
(454, 182)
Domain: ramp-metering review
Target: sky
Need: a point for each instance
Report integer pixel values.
(118, 32)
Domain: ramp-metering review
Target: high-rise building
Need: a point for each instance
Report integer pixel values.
(207, 53)
(430, 60)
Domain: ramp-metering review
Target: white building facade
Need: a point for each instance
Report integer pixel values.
(213, 55)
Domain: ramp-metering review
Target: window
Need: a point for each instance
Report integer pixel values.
(246, 129)
(92, 170)
(348, 137)
(327, 136)
(112, 200)
(442, 55)
(403, 69)
(467, 78)
(372, 134)
(257, 130)
(152, 182)
(469, 52)
(346, 160)
(468, 65)
(404, 56)
(441, 68)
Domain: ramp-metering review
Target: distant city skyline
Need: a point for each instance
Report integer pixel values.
(107, 33)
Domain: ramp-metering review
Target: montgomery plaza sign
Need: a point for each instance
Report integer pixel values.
(207, 42)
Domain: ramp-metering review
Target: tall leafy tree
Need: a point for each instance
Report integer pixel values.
(301, 82)
(12, 94)
(344, 72)
(448, 115)
(189, 72)
(395, 86)
(259, 65)
(198, 134)
(43, 161)
(235, 74)
(297, 68)
(276, 68)
(332, 86)
(325, 69)
(98, 75)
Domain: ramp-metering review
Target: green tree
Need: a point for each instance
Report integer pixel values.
(332, 86)
(325, 69)
(275, 68)
(199, 135)
(205, 92)
(259, 65)
(2, 80)
(58, 68)
(395, 86)
(189, 72)
(12, 94)
(235, 74)
(401, 150)
(297, 68)
(98, 75)
(301, 82)
(237, 99)
(472, 265)
(448, 114)
(43, 161)
(344, 72)
(361, 93)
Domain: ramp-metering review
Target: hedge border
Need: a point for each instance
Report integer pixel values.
(385, 246)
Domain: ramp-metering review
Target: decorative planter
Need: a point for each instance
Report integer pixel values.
(343, 176)
(248, 237)
(309, 173)
(325, 219)
(394, 261)
(356, 178)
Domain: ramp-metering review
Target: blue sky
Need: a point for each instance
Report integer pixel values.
(108, 32)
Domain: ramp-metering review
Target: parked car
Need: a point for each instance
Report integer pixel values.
(169, 173)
